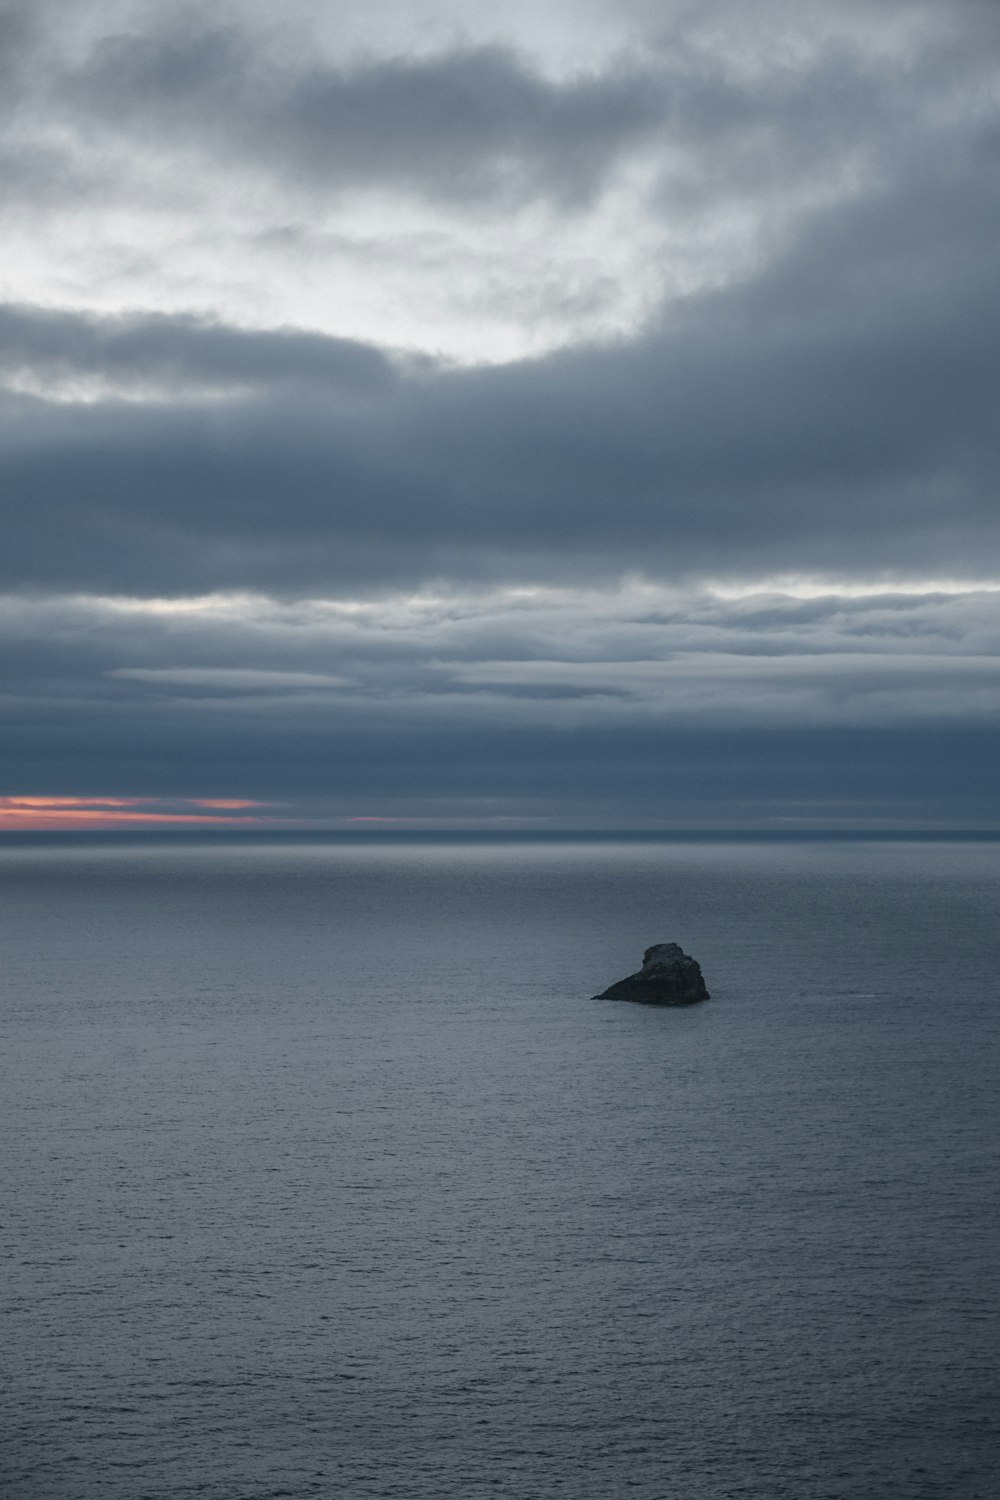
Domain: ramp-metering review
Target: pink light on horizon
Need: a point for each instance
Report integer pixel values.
(33, 814)
(225, 802)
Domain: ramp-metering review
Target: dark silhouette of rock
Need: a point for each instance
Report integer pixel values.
(668, 976)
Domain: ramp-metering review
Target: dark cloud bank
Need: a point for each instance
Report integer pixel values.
(830, 415)
(836, 410)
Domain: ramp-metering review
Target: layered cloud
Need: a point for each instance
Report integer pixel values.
(636, 702)
(838, 411)
(416, 402)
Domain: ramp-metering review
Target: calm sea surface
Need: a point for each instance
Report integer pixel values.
(326, 1177)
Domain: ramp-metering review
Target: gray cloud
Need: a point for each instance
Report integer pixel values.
(19, 32)
(675, 705)
(415, 567)
(128, 351)
(837, 410)
(483, 122)
(657, 651)
(473, 123)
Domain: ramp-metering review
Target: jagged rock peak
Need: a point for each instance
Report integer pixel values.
(668, 976)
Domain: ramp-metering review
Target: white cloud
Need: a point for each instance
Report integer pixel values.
(754, 123)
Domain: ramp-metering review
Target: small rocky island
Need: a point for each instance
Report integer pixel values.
(668, 976)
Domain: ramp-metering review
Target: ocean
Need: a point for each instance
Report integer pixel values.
(326, 1176)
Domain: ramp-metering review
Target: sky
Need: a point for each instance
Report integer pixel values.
(567, 414)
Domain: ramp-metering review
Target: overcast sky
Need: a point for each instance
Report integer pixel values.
(569, 413)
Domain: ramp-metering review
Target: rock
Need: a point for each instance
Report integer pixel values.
(668, 976)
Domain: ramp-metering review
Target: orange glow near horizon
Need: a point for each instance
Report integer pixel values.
(224, 802)
(32, 814)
